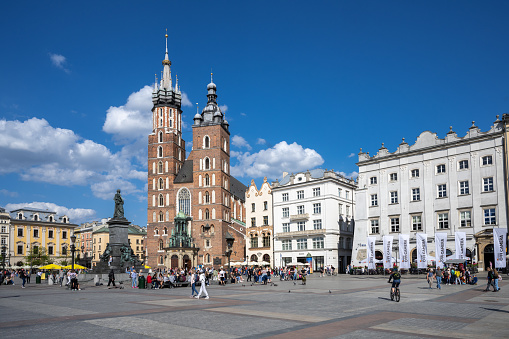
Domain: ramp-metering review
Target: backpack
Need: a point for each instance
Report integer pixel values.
(397, 276)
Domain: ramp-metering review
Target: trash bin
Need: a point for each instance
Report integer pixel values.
(38, 279)
(141, 282)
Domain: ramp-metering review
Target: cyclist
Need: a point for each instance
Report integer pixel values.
(396, 278)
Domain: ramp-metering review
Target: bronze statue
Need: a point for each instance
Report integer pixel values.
(119, 206)
(107, 253)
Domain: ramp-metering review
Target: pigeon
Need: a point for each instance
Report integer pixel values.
(275, 284)
(330, 291)
(243, 285)
(294, 283)
(288, 291)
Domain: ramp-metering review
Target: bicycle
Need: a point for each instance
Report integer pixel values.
(396, 294)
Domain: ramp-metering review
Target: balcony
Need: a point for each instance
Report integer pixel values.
(296, 234)
(299, 217)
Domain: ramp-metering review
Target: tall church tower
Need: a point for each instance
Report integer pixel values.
(166, 149)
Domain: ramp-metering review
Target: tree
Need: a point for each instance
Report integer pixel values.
(37, 256)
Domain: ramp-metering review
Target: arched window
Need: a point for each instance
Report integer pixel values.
(207, 214)
(161, 260)
(161, 200)
(64, 250)
(160, 136)
(160, 152)
(184, 201)
(161, 216)
(160, 167)
(207, 197)
(36, 217)
(156, 231)
(254, 258)
(20, 216)
(207, 180)
(207, 163)
(165, 231)
(206, 142)
(160, 117)
(64, 220)
(161, 245)
(50, 219)
(207, 258)
(266, 258)
(161, 183)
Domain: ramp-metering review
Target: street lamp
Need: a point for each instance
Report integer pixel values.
(73, 249)
(229, 244)
(4, 249)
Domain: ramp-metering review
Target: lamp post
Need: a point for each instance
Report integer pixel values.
(229, 244)
(73, 249)
(4, 249)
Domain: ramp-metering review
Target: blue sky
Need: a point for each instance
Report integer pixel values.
(304, 85)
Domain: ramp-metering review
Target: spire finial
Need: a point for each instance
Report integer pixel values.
(211, 74)
(197, 109)
(155, 82)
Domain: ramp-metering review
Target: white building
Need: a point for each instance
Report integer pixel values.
(435, 185)
(259, 226)
(312, 218)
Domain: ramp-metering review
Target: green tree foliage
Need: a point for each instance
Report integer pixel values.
(37, 256)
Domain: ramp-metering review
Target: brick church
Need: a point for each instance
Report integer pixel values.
(199, 187)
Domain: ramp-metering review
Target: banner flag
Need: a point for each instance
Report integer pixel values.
(500, 246)
(387, 251)
(422, 250)
(371, 253)
(440, 249)
(460, 238)
(404, 251)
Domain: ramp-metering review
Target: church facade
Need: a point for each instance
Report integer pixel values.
(199, 186)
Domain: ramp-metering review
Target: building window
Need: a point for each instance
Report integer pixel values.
(206, 198)
(317, 224)
(487, 184)
(20, 250)
(339, 192)
(36, 233)
(266, 240)
(443, 220)
(265, 205)
(489, 216)
(414, 173)
(393, 177)
(375, 228)
(394, 224)
(300, 209)
(253, 207)
(4, 229)
(64, 234)
(394, 197)
(206, 142)
(373, 181)
(487, 160)
(285, 196)
(64, 250)
(464, 187)
(161, 183)
(286, 212)
(207, 180)
(463, 164)
(442, 190)
(441, 168)
(265, 220)
(207, 214)
(287, 245)
(207, 163)
(160, 167)
(347, 210)
(286, 227)
(465, 218)
(161, 216)
(374, 199)
(318, 242)
(416, 223)
(300, 194)
(416, 194)
(254, 241)
(301, 226)
(160, 152)
(340, 206)
(316, 191)
(302, 244)
(161, 200)
(184, 201)
(253, 222)
(317, 208)
(347, 194)
(20, 232)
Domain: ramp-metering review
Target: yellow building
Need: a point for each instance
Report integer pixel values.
(101, 237)
(31, 229)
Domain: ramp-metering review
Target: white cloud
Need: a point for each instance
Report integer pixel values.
(240, 142)
(243, 114)
(352, 175)
(8, 193)
(185, 100)
(223, 108)
(59, 61)
(351, 155)
(132, 120)
(76, 215)
(261, 141)
(271, 162)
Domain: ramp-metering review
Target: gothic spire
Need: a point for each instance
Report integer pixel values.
(166, 81)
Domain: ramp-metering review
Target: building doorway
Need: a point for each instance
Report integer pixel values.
(174, 261)
(187, 263)
(489, 256)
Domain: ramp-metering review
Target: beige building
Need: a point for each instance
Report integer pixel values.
(259, 226)
(101, 237)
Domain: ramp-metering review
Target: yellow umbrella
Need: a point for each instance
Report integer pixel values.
(50, 267)
(76, 267)
(146, 266)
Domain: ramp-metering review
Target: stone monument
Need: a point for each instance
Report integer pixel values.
(118, 254)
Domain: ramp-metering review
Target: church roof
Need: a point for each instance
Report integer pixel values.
(185, 175)
(238, 189)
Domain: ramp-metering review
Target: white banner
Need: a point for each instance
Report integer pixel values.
(440, 249)
(387, 251)
(422, 250)
(460, 238)
(404, 251)
(371, 253)
(500, 245)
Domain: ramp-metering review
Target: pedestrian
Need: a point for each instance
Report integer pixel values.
(203, 289)
(496, 276)
(429, 277)
(490, 279)
(111, 278)
(134, 278)
(438, 276)
(23, 277)
(74, 280)
(194, 279)
(28, 273)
